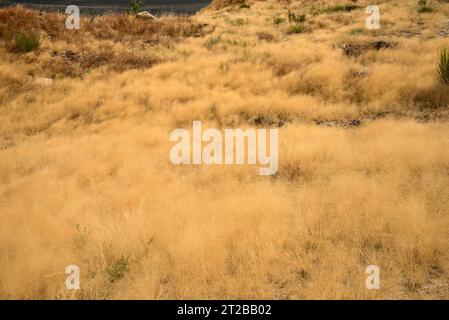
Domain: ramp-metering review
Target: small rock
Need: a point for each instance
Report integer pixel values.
(145, 15)
(44, 82)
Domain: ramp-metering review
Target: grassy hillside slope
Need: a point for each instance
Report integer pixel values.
(85, 176)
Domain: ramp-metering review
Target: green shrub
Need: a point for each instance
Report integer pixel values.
(245, 6)
(356, 31)
(296, 28)
(293, 17)
(24, 42)
(343, 8)
(136, 5)
(423, 8)
(278, 20)
(212, 41)
(264, 35)
(118, 269)
(237, 22)
(443, 66)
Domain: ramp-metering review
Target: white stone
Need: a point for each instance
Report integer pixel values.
(45, 82)
(145, 15)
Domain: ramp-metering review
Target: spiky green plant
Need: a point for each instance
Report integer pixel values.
(297, 18)
(443, 66)
(135, 6)
(278, 20)
(296, 28)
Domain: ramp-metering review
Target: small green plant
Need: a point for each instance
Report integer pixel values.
(135, 6)
(118, 269)
(278, 20)
(26, 42)
(296, 28)
(297, 22)
(244, 5)
(237, 22)
(224, 67)
(443, 66)
(293, 17)
(212, 41)
(423, 7)
(356, 31)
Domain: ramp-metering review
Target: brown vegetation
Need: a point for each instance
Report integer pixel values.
(118, 41)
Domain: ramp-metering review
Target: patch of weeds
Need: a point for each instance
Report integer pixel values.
(135, 6)
(303, 275)
(237, 22)
(278, 20)
(342, 8)
(26, 42)
(443, 66)
(244, 5)
(118, 269)
(411, 285)
(297, 21)
(264, 35)
(423, 7)
(296, 18)
(356, 49)
(356, 31)
(232, 42)
(337, 8)
(235, 43)
(224, 67)
(212, 41)
(246, 53)
(296, 28)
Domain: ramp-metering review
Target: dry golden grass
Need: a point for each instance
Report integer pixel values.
(85, 176)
